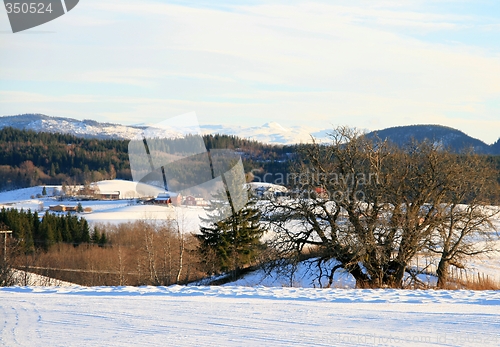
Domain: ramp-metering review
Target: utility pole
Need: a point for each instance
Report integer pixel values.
(5, 232)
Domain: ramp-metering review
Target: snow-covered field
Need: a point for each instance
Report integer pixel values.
(115, 211)
(259, 309)
(127, 189)
(242, 316)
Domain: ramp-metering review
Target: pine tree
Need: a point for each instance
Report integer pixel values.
(233, 242)
(44, 191)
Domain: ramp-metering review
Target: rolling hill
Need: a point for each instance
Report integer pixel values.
(446, 137)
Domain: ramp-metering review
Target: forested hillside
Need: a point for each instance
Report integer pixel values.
(446, 137)
(28, 158)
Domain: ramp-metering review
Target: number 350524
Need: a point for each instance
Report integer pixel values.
(25, 7)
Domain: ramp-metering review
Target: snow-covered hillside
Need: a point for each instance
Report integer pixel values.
(85, 128)
(241, 316)
(271, 132)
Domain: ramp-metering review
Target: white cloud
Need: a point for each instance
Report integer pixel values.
(307, 63)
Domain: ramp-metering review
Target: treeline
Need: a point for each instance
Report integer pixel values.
(28, 158)
(64, 247)
(32, 233)
(140, 253)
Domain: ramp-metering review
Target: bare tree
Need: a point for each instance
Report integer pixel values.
(367, 204)
(150, 253)
(121, 267)
(180, 223)
(466, 229)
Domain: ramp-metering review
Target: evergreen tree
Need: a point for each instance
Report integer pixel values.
(25, 238)
(31, 233)
(35, 220)
(103, 240)
(230, 243)
(64, 227)
(44, 191)
(95, 236)
(85, 231)
(47, 232)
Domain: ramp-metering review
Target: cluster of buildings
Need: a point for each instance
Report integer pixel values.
(64, 208)
(170, 198)
(177, 199)
(174, 199)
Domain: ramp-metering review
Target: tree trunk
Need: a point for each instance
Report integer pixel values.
(396, 280)
(362, 280)
(181, 256)
(121, 268)
(442, 273)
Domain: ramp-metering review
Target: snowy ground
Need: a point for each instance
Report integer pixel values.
(31, 279)
(242, 316)
(234, 315)
(303, 275)
(115, 212)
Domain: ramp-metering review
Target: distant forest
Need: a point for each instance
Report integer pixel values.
(29, 158)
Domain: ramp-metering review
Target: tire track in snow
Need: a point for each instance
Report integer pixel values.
(95, 317)
(21, 323)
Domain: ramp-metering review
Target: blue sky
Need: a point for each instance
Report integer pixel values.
(366, 64)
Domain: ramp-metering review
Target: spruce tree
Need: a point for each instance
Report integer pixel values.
(230, 243)
(103, 240)
(95, 236)
(47, 233)
(85, 231)
(26, 241)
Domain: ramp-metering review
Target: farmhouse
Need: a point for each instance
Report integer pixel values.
(168, 198)
(193, 201)
(108, 195)
(62, 208)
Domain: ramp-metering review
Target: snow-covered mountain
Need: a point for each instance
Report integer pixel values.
(86, 128)
(268, 133)
(271, 132)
